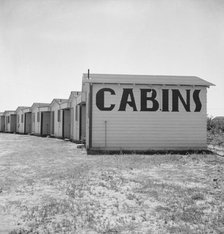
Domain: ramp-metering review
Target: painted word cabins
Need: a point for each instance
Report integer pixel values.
(145, 113)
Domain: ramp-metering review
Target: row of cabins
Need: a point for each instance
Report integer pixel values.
(60, 118)
(122, 112)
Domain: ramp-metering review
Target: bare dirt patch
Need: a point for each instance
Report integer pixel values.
(50, 186)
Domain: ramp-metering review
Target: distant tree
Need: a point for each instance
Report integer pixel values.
(215, 125)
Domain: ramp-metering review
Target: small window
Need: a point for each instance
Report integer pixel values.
(59, 116)
(38, 116)
(22, 118)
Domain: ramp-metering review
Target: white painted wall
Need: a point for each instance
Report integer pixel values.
(74, 119)
(19, 122)
(64, 105)
(86, 91)
(36, 126)
(57, 125)
(136, 130)
(8, 123)
(27, 121)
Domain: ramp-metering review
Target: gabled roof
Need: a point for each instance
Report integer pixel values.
(145, 79)
(27, 109)
(73, 94)
(58, 101)
(39, 105)
(9, 112)
(64, 101)
(21, 108)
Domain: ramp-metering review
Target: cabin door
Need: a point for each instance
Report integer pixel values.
(66, 123)
(28, 123)
(82, 122)
(45, 123)
(13, 123)
(52, 122)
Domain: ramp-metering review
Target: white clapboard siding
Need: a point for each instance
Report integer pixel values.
(136, 130)
(35, 124)
(35, 109)
(73, 102)
(20, 119)
(10, 121)
(55, 107)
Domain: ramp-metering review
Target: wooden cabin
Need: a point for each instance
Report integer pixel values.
(10, 121)
(20, 120)
(56, 118)
(41, 116)
(27, 120)
(74, 101)
(145, 112)
(66, 119)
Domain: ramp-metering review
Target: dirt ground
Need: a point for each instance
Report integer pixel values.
(49, 186)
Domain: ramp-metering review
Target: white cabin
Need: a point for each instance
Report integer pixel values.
(74, 103)
(145, 113)
(20, 119)
(40, 119)
(56, 117)
(10, 121)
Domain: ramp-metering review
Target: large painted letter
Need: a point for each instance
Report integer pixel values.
(124, 100)
(165, 95)
(176, 96)
(100, 99)
(145, 98)
(197, 100)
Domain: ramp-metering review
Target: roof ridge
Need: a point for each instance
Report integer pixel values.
(145, 79)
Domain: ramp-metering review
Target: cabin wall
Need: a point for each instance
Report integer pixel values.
(20, 126)
(74, 120)
(7, 123)
(131, 129)
(82, 123)
(57, 120)
(10, 123)
(36, 123)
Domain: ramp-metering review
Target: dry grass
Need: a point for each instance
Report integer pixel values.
(49, 186)
(216, 138)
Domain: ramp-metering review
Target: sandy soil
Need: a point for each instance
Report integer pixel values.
(49, 186)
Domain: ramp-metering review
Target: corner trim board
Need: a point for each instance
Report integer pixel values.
(90, 115)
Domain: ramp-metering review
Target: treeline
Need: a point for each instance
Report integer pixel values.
(215, 125)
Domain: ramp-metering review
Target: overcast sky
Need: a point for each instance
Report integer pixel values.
(46, 45)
